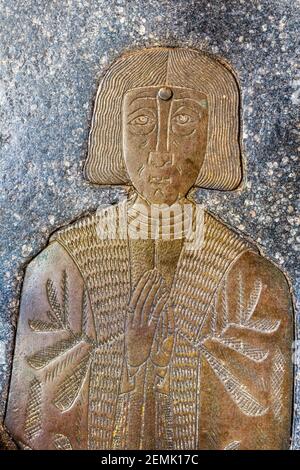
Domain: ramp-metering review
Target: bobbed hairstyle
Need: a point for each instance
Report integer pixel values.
(160, 66)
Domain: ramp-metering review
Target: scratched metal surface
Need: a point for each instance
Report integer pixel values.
(52, 57)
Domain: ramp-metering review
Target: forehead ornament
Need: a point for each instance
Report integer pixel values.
(165, 93)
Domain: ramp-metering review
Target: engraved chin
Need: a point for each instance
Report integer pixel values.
(160, 185)
(159, 195)
(162, 194)
(163, 191)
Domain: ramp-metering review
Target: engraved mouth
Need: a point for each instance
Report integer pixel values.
(158, 180)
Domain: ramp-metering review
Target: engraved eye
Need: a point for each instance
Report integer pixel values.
(185, 121)
(141, 120)
(182, 119)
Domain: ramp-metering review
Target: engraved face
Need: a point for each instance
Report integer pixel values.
(164, 140)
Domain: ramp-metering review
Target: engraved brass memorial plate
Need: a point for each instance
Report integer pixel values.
(150, 324)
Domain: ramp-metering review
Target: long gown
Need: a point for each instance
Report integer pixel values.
(227, 383)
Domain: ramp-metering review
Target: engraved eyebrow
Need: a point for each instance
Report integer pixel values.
(195, 111)
(142, 98)
(140, 109)
(200, 102)
(185, 106)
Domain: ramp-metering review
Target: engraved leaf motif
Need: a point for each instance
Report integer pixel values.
(70, 356)
(53, 318)
(69, 389)
(253, 299)
(224, 309)
(240, 300)
(253, 353)
(234, 445)
(54, 303)
(245, 308)
(65, 294)
(61, 442)
(245, 312)
(277, 379)
(43, 357)
(265, 325)
(84, 318)
(43, 326)
(33, 420)
(78, 421)
(237, 391)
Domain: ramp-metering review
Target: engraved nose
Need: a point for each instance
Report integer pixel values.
(160, 159)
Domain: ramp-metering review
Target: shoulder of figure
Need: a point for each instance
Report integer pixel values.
(79, 225)
(86, 226)
(249, 264)
(254, 262)
(48, 256)
(51, 260)
(254, 274)
(226, 235)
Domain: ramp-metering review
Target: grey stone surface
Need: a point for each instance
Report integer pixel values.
(51, 57)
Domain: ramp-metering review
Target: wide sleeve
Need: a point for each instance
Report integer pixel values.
(247, 366)
(47, 403)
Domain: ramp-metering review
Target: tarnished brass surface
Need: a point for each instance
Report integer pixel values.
(144, 339)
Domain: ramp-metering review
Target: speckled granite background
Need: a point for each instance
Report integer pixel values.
(51, 57)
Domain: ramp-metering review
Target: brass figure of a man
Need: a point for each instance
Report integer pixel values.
(136, 339)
